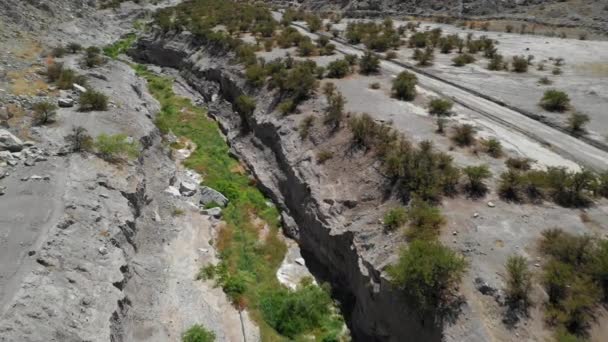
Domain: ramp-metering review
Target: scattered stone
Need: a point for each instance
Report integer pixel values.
(209, 195)
(171, 190)
(29, 162)
(65, 103)
(36, 177)
(25, 179)
(537, 265)
(215, 212)
(454, 233)
(491, 204)
(79, 88)
(483, 287)
(475, 215)
(9, 142)
(12, 162)
(31, 253)
(187, 188)
(103, 250)
(2, 190)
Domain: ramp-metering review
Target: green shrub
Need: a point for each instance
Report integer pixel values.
(391, 55)
(556, 71)
(440, 107)
(306, 47)
(351, 59)
(395, 218)
(519, 281)
(519, 64)
(424, 58)
(570, 189)
(74, 47)
(427, 272)
(255, 75)
(334, 112)
(245, 105)
(53, 71)
(197, 333)
(510, 186)
(369, 63)
(79, 140)
(464, 135)
(577, 122)
(314, 22)
(117, 147)
(364, 129)
(404, 86)
(338, 69)
(375, 85)
(476, 176)
(58, 51)
(324, 156)
(93, 57)
(286, 107)
(493, 147)
(463, 59)
(602, 188)
(44, 112)
(555, 101)
(523, 164)
(545, 80)
(93, 100)
(425, 221)
(305, 126)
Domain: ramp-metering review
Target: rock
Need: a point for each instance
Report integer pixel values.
(187, 188)
(209, 195)
(300, 261)
(9, 142)
(36, 177)
(2, 190)
(475, 215)
(171, 190)
(29, 162)
(215, 212)
(3, 173)
(103, 250)
(79, 88)
(491, 204)
(12, 162)
(484, 287)
(65, 102)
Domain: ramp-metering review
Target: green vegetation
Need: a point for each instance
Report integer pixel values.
(323, 156)
(64, 78)
(440, 107)
(404, 86)
(245, 105)
(519, 282)
(248, 261)
(493, 147)
(377, 37)
(314, 22)
(369, 63)
(522, 164)
(496, 63)
(464, 135)
(555, 101)
(425, 221)
(44, 112)
(120, 47)
(79, 140)
(519, 64)
(463, 59)
(73, 47)
(427, 273)
(117, 147)
(306, 125)
(476, 176)
(338, 68)
(424, 57)
(335, 110)
(395, 218)
(577, 122)
(93, 100)
(198, 333)
(93, 57)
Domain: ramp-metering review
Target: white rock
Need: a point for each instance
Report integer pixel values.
(209, 195)
(300, 261)
(187, 188)
(9, 142)
(171, 190)
(103, 250)
(475, 215)
(65, 102)
(79, 88)
(491, 204)
(215, 212)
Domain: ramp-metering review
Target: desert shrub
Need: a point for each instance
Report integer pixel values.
(329, 88)
(44, 112)
(324, 156)
(351, 59)
(395, 218)
(305, 126)
(298, 83)
(58, 51)
(519, 64)
(464, 135)
(369, 63)
(53, 71)
(519, 282)
(427, 273)
(523, 164)
(404, 86)
(255, 75)
(320, 72)
(545, 80)
(425, 220)
(117, 147)
(314, 22)
(493, 147)
(510, 186)
(509, 28)
(268, 44)
(74, 47)
(197, 333)
(292, 313)
(391, 55)
(338, 69)
(602, 188)
(476, 175)
(245, 105)
(286, 107)
(569, 188)
(577, 122)
(79, 140)
(327, 50)
(93, 57)
(555, 101)
(306, 47)
(334, 111)
(93, 100)
(440, 107)
(375, 85)
(424, 58)
(556, 71)
(364, 129)
(463, 59)
(418, 40)
(289, 37)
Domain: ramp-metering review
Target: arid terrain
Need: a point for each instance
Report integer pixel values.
(293, 171)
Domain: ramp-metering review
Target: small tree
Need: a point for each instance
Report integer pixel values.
(44, 112)
(555, 101)
(245, 105)
(93, 100)
(338, 69)
(464, 135)
(79, 140)
(334, 112)
(577, 122)
(369, 63)
(496, 63)
(519, 282)
(440, 107)
(197, 333)
(404, 86)
(476, 176)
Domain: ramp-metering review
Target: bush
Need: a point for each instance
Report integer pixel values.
(197, 333)
(404, 86)
(395, 218)
(427, 272)
(522, 164)
(324, 156)
(476, 176)
(58, 52)
(79, 140)
(74, 47)
(496, 63)
(305, 126)
(375, 85)
(245, 105)
(440, 107)
(391, 55)
(545, 80)
(464, 135)
(369, 63)
(510, 187)
(570, 189)
(577, 122)
(493, 147)
(425, 221)
(555, 101)
(117, 147)
(520, 64)
(364, 129)
(53, 71)
(463, 59)
(519, 282)
(338, 69)
(93, 100)
(44, 112)
(93, 57)
(306, 47)
(334, 112)
(314, 22)
(255, 75)
(351, 59)
(424, 58)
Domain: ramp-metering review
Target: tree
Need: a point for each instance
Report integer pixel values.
(520, 64)
(79, 140)
(427, 272)
(519, 281)
(555, 101)
(314, 23)
(198, 333)
(334, 112)
(476, 176)
(44, 112)
(576, 122)
(440, 107)
(369, 63)
(404, 86)
(338, 69)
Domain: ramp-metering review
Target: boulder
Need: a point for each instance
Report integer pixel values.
(65, 103)
(215, 212)
(173, 191)
(79, 88)
(187, 188)
(9, 142)
(209, 195)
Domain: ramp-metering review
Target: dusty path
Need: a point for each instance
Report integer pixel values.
(560, 142)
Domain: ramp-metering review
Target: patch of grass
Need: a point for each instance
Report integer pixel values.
(248, 261)
(324, 156)
(116, 148)
(198, 333)
(120, 47)
(395, 218)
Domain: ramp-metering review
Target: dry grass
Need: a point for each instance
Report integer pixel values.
(597, 69)
(28, 50)
(26, 82)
